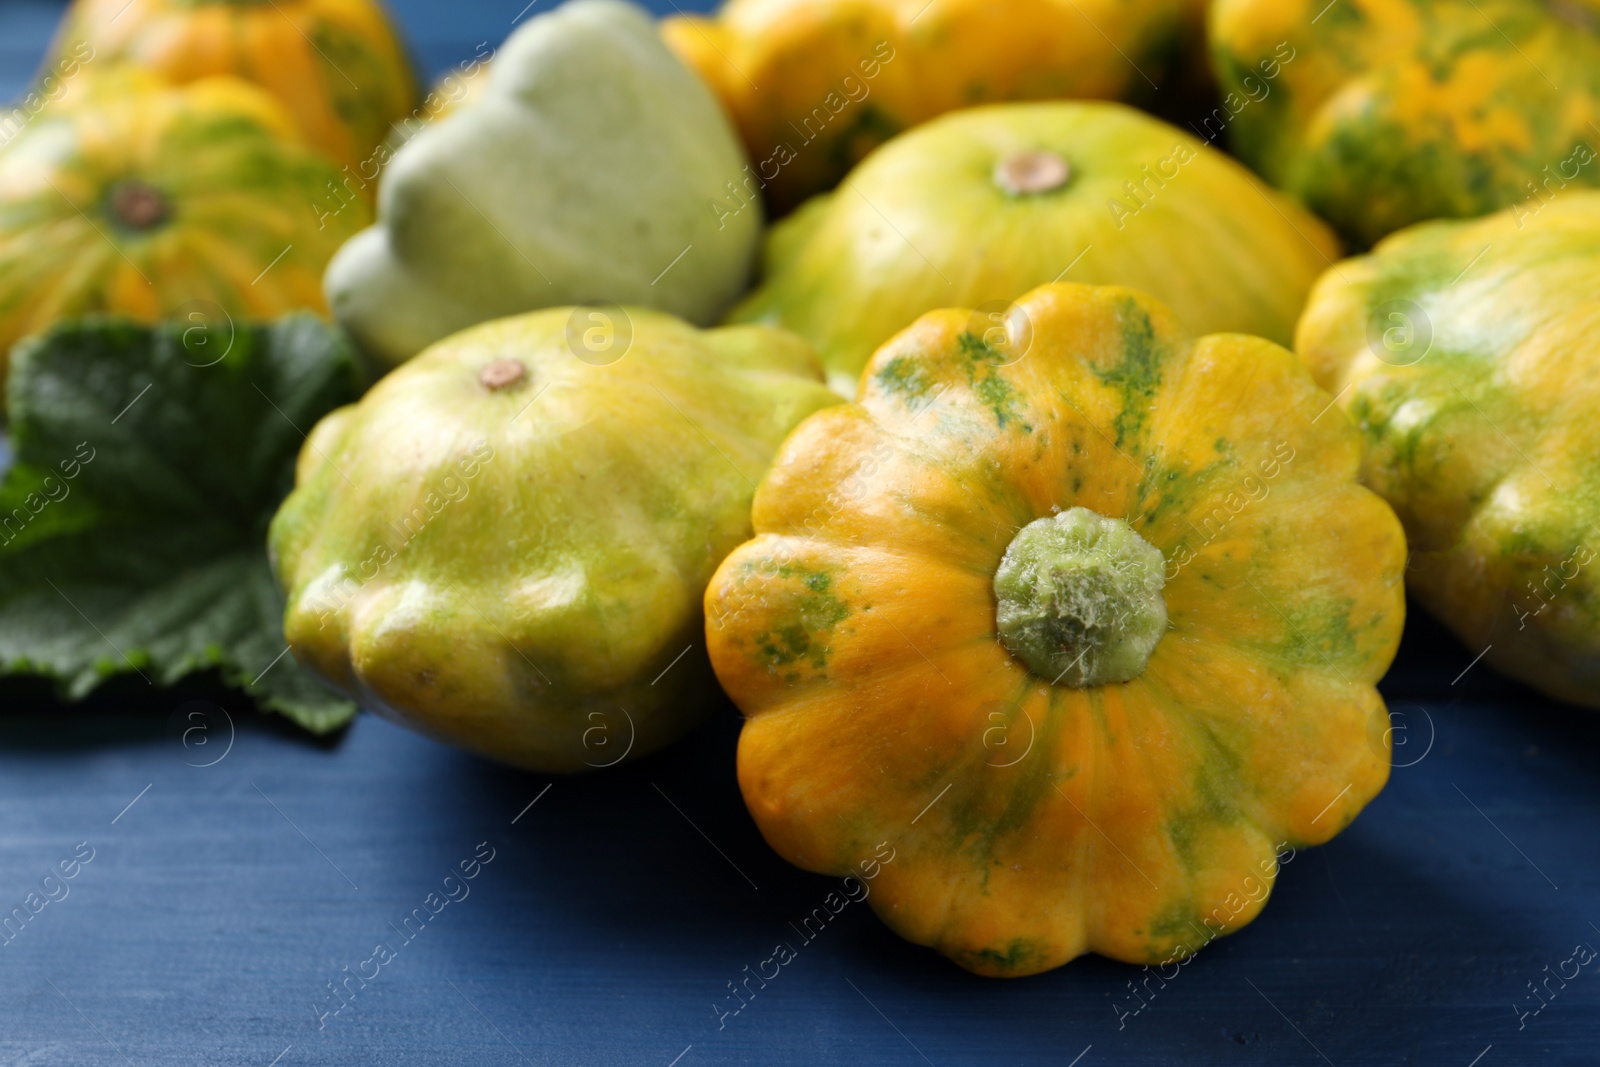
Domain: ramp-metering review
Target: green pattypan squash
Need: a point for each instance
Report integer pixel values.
(504, 544)
(1468, 353)
(585, 171)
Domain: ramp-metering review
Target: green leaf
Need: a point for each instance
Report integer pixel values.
(149, 462)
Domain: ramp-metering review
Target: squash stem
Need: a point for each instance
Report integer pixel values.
(138, 206)
(1079, 599)
(1031, 173)
(502, 374)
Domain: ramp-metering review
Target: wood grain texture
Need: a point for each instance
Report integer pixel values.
(617, 908)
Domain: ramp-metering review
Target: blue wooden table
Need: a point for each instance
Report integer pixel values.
(230, 881)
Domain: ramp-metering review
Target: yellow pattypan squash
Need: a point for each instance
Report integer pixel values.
(1469, 355)
(814, 85)
(1082, 620)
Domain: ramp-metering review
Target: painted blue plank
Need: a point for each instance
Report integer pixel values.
(220, 902)
(217, 909)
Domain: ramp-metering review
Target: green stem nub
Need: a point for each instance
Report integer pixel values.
(1079, 599)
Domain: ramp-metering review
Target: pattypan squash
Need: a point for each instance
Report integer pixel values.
(154, 203)
(814, 85)
(337, 66)
(1082, 618)
(1469, 355)
(978, 207)
(504, 544)
(1382, 113)
(584, 171)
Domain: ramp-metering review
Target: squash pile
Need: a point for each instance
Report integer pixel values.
(1034, 474)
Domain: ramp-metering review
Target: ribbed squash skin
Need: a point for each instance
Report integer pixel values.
(857, 633)
(519, 571)
(922, 224)
(877, 67)
(239, 237)
(1481, 424)
(1396, 111)
(337, 66)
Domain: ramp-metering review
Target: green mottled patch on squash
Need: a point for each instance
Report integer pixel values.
(1138, 374)
(980, 360)
(814, 611)
(1180, 927)
(904, 377)
(1015, 955)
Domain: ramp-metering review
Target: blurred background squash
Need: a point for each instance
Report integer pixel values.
(814, 85)
(1389, 112)
(337, 66)
(979, 206)
(160, 202)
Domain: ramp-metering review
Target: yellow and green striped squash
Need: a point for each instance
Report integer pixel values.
(1469, 355)
(1382, 113)
(1079, 623)
(162, 203)
(337, 66)
(814, 85)
(977, 207)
